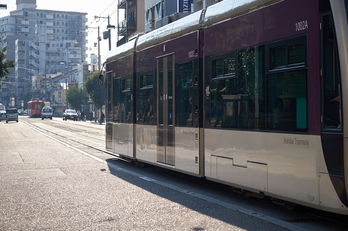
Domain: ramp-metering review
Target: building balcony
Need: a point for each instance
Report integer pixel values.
(122, 4)
(33, 63)
(33, 54)
(127, 26)
(74, 56)
(33, 45)
(23, 22)
(23, 29)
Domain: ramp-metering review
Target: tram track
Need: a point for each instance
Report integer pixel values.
(303, 214)
(65, 138)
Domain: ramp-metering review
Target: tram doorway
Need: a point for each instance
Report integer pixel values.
(166, 110)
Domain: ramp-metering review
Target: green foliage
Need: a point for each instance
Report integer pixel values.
(75, 97)
(95, 91)
(4, 65)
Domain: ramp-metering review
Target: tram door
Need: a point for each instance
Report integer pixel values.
(165, 110)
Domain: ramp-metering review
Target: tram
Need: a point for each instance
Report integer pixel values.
(35, 108)
(245, 93)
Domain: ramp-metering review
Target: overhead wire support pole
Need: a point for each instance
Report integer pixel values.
(109, 33)
(98, 45)
(109, 27)
(99, 49)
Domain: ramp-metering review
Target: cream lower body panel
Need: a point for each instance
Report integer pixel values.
(122, 137)
(186, 148)
(285, 166)
(146, 143)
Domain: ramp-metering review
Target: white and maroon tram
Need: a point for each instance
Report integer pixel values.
(247, 93)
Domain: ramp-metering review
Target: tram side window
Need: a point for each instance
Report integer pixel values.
(236, 90)
(287, 101)
(117, 100)
(286, 87)
(146, 99)
(122, 100)
(224, 91)
(126, 97)
(184, 93)
(250, 71)
(261, 88)
(331, 77)
(109, 97)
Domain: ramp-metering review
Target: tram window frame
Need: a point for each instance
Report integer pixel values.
(126, 84)
(123, 107)
(146, 87)
(224, 61)
(109, 89)
(144, 80)
(268, 86)
(285, 43)
(236, 109)
(331, 93)
(184, 108)
(276, 107)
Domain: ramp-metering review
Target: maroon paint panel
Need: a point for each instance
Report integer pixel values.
(184, 48)
(121, 67)
(285, 19)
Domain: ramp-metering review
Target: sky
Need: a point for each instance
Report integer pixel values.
(101, 8)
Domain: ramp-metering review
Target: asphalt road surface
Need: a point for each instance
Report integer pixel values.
(47, 183)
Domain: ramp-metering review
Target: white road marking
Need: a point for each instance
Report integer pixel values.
(249, 212)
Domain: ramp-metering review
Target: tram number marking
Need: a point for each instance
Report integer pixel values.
(192, 54)
(301, 25)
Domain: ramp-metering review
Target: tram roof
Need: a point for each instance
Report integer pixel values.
(232, 8)
(121, 51)
(216, 13)
(170, 31)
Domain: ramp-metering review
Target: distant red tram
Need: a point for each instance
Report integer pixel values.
(35, 108)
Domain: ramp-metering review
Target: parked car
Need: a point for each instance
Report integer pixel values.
(11, 115)
(2, 115)
(70, 114)
(47, 112)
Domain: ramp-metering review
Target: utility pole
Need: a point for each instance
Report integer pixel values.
(99, 49)
(109, 33)
(109, 27)
(98, 44)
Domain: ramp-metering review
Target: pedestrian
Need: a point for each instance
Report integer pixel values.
(83, 116)
(91, 116)
(102, 117)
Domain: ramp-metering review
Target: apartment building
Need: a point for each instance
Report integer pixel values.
(162, 12)
(42, 42)
(130, 19)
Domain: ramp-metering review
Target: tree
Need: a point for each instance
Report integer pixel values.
(4, 65)
(95, 91)
(75, 97)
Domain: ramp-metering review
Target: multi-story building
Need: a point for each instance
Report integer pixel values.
(131, 22)
(162, 12)
(141, 16)
(42, 42)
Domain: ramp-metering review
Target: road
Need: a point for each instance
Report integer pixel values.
(56, 175)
